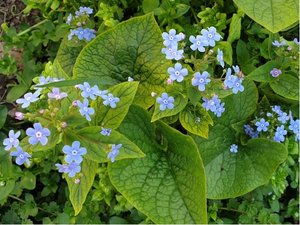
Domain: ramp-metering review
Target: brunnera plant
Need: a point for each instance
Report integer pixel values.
(172, 134)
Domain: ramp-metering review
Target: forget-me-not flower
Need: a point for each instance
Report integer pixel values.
(250, 131)
(279, 134)
(220, 58)
(211, 35)
(233, 148)
(165, 102)
(105, 132)
(83, 10)
(38, 134)
(56, 94)
(279, 44)
(283, 117)
(237, 85)
(87, 91)
(173, 53)
(29, 98)
(22, 157)
(275, 72)
(74, 153)
(71, 169)
(110, 100)
(114, 152)
(200, 80)
(262, 125)
(198, 43)
(12, 140)
(236, 69)
(177, 72)
(69, 19)
(214, 104)
(84, 109)
(171, 39)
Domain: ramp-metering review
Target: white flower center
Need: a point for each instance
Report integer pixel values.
(21, 156)
(85, 109)
(165, 101)
(201, 80)
(11, 140)
(88, 90)
(57, 96)
(177, 73)
(38, 134)
(198, 42)
(74, 152)
(210, 35)
(171, 38)
(110, 99)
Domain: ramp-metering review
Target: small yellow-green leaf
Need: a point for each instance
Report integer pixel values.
(287, 86)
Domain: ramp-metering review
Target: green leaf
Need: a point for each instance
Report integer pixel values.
(66, 56)
(188, 119)
(149, 5)
(168, 184)
(98, 147)
(275, 15)
(262, 73)
(16, 92)
(230, 175)
(287, 86)
(7, 184)
(235, 28)
(181, 9)
(240, 106)
(130, 49)
(179, 104)
(113, 117)
(78, 192)
(3, 115)
(28, 181)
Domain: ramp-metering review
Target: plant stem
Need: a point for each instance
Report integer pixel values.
(21, 200)
(233, 210)
(195, 16)
(32, 27)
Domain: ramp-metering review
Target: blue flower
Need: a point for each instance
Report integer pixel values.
(177, 73)
(69, 19)
(110, 100)
(199, 42)
(72, 169)
(279, 134)
(102, 93)
(211, 35)
(22, 157)
(29, 98)
(172, 53)
(283, 117)
(279, 44)
(87, 34)
(236, 69)
(72, 33)
(165, 102)
(105, 132)
(294, 126)
(56, 94)
(171, 39)
(114, 152)
(237, 85)
(262, 125)
(83, 10)
(88, 91)
(233, 148)
(220, 57)
(42, 80)
(250, 131)
(275, 72)
(214, 104)
(74, 153)
(12, 140)
(296, 41)
(85, 110)
(200, 80)
(276, 109)
(38, 134)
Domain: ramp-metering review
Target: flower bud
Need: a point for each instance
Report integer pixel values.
(19, 115)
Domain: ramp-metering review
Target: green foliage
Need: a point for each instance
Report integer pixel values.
(275, 15)
(157, 176)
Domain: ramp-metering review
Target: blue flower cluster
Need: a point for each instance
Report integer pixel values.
(171, 40)
(214, 104)
(275, 126)
(73, 158)
(207, 38)
(92, 92)
(36, 135)
(80, 18)
(233, 82)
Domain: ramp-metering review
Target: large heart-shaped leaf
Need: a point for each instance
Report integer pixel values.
(230, 175)
(168, 184)
(275, 15)
(130, 49)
